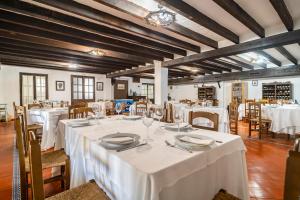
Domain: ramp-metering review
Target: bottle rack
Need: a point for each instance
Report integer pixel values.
(207, 93)
(277, 90)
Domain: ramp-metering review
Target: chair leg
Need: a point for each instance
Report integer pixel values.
(62, 183)
(249, 128)
(67, 175)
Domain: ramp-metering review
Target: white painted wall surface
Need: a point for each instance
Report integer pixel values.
(136, 87)
(10, 86)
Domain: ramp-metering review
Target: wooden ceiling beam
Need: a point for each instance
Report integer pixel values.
(287, 54)
(193, 14)
(213, 66)
(67, 20)
(254, 45)
(269, 57)
(283, 13)
(204, 66)
(241, 63)
(227, 64)
(240, 14)
(131, 71)
(111, 20)
(131, 9)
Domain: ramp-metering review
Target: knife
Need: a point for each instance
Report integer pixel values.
(131, 147)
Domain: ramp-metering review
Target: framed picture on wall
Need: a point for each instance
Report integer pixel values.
(99, 86)
(254, 82)
(60, 86)
(121, 86)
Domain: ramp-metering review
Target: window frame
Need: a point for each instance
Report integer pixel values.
(151, 84)
(83, 88)
(34, 84)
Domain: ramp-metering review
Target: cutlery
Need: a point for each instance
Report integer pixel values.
(218, 141)
(131, 147)
(177, 147)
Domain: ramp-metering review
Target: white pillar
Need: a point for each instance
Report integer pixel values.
(161, 83)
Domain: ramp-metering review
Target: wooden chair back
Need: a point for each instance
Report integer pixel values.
(21, 151)
(140, 107)
(247, 101)
(64, 104)
(82, 112)
(264, 101)
(75, 106)
(255, 111)
(169, 113)
(213, 117)
(292, 176)
(36, 175)
(233, 117)
(34, 105)
(272, 101)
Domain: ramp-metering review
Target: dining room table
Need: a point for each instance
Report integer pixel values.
(221, 111)
(155, 170)
(49, 118)
(284, 118)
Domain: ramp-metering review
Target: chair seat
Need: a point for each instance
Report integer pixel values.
(88, 191)
(32, 127)
(50, 159)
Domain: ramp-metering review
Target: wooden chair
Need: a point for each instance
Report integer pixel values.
(247, 101)
(292, 175)
(64, 104)
(233, 117)
(264, 101)
(169, 113)
(213, 117)
(140, 108)
(272, 101)
(73, 107)
(88, 191)
(256, 123)
(49, 159)
(34, 105)
(82, 112)
(223, 195)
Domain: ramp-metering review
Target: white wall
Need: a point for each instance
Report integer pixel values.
(136, 87)
(10, 90)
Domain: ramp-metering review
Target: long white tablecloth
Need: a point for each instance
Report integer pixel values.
(222, 112)
(160, 172)
(49, 118)
(285, 119)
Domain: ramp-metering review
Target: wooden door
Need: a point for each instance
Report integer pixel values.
(121, 89)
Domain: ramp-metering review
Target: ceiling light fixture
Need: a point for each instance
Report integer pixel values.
(96, 52)
(162, 17)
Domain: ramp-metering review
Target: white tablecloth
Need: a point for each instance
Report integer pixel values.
(49, 118)
(222, 112)
(160, 172)
(285, 119)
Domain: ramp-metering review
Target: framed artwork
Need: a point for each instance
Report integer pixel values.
(121, 86)
(99, 86)
(60, 86)
(254, 82)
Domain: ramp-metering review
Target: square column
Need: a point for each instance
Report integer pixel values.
(161, 83)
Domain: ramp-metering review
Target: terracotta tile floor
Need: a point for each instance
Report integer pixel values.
(265, 160)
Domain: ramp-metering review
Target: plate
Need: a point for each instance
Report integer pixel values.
(193, 146)
(132, 117)
(116, 146)
(174, 126)
(79, 123)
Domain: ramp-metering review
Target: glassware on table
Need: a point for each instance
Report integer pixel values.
(97, 110)
(148, 121)
(178, 117)
(118, 108)
(159, 113)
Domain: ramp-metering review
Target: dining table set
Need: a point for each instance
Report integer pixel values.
(138, 158)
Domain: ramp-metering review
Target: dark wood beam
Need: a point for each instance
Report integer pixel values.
(206, 67)
(254, 45)
(131, 71)
(227, 64)
(88, 41)
(240, 14)
(132, 9)
(213, 66)
(193, 14)
(245, 75)
(111, 20)
(32, 47)
(66, 20)
(287, 54)
(198, 70)
(70, 46)
(269, 57)
(241, 63)
(283, 13)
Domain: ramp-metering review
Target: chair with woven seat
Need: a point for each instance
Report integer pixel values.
(49, 159)
(140, 107)
(256, 122)
(233, 117)
(246, 112)
(213, 120)
(88, 191)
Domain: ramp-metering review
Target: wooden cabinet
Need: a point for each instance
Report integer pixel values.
(239, 92)
(277, 90)
(208, 93)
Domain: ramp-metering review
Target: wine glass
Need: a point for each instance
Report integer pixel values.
(96, 110)
(159, 113)
(178, 117)
(118, 108)
(147, 121)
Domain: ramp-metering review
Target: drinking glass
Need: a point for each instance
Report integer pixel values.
(118, 108)
(159, 113)
(178, 117)
(147, 121)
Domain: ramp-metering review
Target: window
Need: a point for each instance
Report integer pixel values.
(33, 87)
(148, 90)
(83, 88)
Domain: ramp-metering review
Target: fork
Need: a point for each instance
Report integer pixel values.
(177, 147)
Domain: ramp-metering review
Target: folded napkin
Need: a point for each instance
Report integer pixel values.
(197, 141)
(118, 140)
